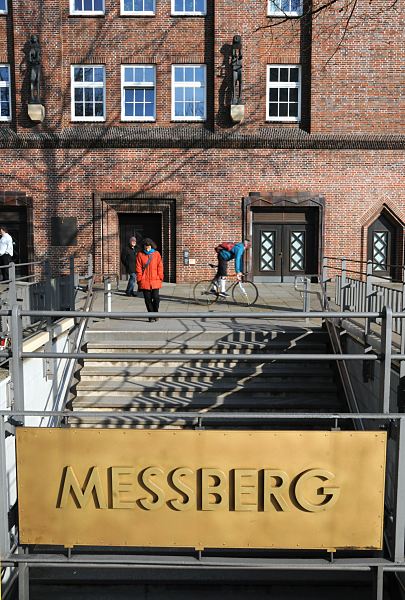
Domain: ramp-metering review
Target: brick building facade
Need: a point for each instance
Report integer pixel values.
(138, 134)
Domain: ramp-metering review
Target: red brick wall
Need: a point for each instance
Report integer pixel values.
(211, 184)
(357, 90)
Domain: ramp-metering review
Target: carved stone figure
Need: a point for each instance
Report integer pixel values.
(236, 63)
(34, 59)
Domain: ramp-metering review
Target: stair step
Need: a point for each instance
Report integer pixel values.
(213, 336)
(205, 364)
(160, 387)
(258, 400)
(197, 345)
(265, 370)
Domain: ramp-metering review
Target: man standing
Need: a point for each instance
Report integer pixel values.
(6, 251)
(228, 251)
(128, 258)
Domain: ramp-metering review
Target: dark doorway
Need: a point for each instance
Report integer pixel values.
(285, 245)
(382, 246)
(140, 225)
(15, 219)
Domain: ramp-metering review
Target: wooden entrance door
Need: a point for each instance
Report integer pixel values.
(280, 251)
(140, 225)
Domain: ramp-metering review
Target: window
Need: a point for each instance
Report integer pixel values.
(188, 92)
(5, 93)
(189, 7)
(88, 93)
(86, 7)
(138, 7)
(285, 8)
(3, 6)
(283, 93)
(138, 93)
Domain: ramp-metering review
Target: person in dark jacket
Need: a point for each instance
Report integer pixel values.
(149, 274)
(128, 259)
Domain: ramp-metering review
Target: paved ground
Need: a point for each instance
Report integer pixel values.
(178, 298)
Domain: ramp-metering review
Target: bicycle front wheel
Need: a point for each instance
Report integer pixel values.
(202, 292)
(244, 293)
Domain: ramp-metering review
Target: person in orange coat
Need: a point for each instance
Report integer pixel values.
(149, 274)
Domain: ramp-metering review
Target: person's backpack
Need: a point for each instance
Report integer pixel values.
(224, 246)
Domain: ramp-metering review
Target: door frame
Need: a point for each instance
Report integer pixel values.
(106, 208)
(281, 200)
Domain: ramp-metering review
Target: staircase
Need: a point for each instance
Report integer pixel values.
(203, 385)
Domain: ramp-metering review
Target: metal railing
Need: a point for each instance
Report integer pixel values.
(386, 357)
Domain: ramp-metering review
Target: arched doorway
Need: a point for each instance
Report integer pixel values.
(383, 244)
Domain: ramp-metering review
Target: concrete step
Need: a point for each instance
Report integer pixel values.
(213, 402)
(230, 385)
(179, 372)
(201, 345)
(206, 364)
(247, 334)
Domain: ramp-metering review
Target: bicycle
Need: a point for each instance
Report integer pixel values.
(243, 293)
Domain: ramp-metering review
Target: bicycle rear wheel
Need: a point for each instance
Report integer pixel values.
(244, 293)
(202, 292)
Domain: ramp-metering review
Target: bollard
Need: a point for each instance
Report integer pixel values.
(107, 295)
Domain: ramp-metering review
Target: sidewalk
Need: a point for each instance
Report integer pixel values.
(273, 297)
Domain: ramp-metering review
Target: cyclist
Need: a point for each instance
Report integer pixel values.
(227, 251)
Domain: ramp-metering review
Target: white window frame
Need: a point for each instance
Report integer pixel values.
(135, 86)
(188, 84)
(282, 84)
(89, 84)
(4, 11)
(86, 13)
(274, 11)
(138, 13)
(183, 13)
(7, 84)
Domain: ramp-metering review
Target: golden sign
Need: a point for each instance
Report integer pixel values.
(201, 489)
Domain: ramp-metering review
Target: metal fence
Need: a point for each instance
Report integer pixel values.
(17, 415)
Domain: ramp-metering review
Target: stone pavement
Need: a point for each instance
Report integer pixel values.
(273, 297)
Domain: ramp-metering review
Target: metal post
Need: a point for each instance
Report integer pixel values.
(48, 285)
(399, 540)
(324, 282)
(385, 361)
(378, 583)
(90, 265)
(12, 289)
(107, 295)
(4, 532)
(402, 362)
(72, 282)
(16, 362)
(343, 284)
(306, 295)
(369, 295)
(23, 579)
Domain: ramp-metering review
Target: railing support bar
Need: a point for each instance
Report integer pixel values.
(343, 286)
(386, 355)
(4, 532)
(402, 363)
(23, 579)
(324, 282)
(378, 583)
(399, 542)
(369, 295)
(16, 363)
(72, 282)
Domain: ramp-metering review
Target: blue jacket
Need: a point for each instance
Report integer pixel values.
(236, 253)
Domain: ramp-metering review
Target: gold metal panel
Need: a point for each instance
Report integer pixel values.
(201, 489)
